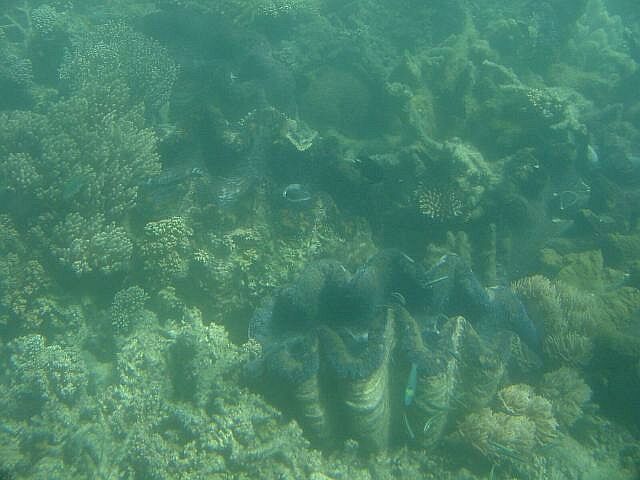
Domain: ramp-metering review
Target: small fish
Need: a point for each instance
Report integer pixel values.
(172, 176)
(409, 394)
(410, 388)
(593, 160)
(296, 193)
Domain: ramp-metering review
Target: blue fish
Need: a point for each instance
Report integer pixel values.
(296, 193)
(410, 388)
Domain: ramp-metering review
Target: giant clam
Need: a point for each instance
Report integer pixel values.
(392, 353)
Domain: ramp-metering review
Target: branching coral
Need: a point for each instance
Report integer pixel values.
(77, 167)
(24, 285)
(91, 245)
(248, 12)
(39, 374)
(25, 23)
(15, 71)
(115, 51)
(127, 308)
(166, 248)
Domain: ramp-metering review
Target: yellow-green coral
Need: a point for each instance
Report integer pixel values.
(568, 394)
(91, 245)
(500, 437)
(563, 313)
(522, 422)
(521, 400)
(115, 52)
(127, 308)
(166, 248)
(78, 164)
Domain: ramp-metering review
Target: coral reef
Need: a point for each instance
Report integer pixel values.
(127, 308)
(563, 314)
(77, 168)
(259, 11)
(149, 153)
(40, 378)
(225, 429)
(86, 245)
(166, 248)
(114, 51)
(522, 424)
(568, 394)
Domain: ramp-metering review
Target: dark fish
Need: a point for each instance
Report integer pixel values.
(296, 193)
(228, 190)
(168, 186)
(172, 176)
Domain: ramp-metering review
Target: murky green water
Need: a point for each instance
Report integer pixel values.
(296, 239)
